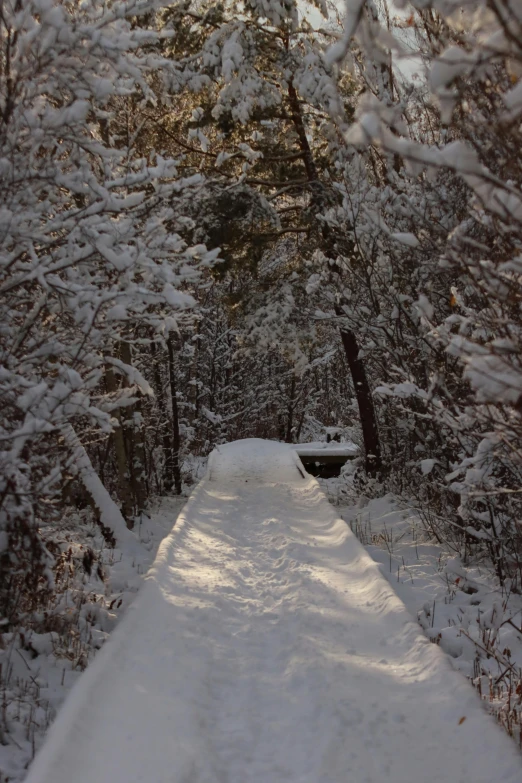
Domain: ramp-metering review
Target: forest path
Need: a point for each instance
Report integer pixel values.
(266, 647)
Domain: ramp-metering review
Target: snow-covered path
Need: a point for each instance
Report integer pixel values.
(266, 647)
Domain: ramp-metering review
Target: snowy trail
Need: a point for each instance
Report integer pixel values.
(266, 647)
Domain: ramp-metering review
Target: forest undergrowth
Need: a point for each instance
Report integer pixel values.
(458, 602)
(41, 660)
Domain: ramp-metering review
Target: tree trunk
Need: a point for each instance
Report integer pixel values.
(109, 514)
(300, 425)
(118, 440)
(136, 448)
(176, 440)
(168, 450)
(290, 415)
(372, 446)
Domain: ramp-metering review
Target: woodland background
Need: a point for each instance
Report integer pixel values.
(230, 220)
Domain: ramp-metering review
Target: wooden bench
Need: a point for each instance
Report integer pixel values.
(325, 460)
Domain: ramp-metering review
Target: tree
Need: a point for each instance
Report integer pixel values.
(460, 152)
(262, 130)
(89, 249)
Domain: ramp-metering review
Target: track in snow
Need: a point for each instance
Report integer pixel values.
(266, 647)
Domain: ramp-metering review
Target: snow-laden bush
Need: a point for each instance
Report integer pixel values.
(88, 249)
(433, 208)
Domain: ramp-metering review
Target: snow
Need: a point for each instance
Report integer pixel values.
(338, 50)
(427, 465)
(110, 514)
(266, 646)
(406, 238)
(321, 448)
(133, 376)
(453, 603)
(453, 63)
(39, 669)
(513, 100)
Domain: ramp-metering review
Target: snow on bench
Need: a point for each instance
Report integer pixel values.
(320, 449)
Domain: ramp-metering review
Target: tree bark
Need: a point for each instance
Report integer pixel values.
(136, 447)
(118, 440)
(176, 440)
(372, 445)
(290, 414)
(168, 450)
